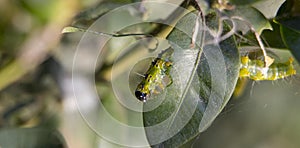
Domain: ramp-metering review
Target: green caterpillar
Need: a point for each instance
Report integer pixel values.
(157, 76)
(256, 70)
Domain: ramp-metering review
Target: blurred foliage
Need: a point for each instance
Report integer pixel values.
(47, 138)
(33, 100)
(35, 64)
(30, 97)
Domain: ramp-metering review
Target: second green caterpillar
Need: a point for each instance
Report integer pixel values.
(255, 69)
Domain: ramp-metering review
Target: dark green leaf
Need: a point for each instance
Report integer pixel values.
(182, 116)
(290, 8)
(273, 37)
(248, 17)
(268, 8)
(291, 38)
(292, 23)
